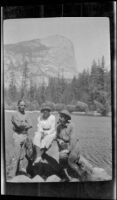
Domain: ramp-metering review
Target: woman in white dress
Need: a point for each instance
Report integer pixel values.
(45, 134)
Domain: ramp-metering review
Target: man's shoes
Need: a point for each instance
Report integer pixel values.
(38, 159)
(24, 173)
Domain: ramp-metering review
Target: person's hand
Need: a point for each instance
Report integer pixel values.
(43, 134)
(28, 127)
(66, 151)
(61, 142)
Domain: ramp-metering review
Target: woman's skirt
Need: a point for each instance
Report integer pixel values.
(46, 142)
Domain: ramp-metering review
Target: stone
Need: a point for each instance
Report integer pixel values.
(99, 174)
(37, 178)
(74, 180)
(53, 178)
(20, 178)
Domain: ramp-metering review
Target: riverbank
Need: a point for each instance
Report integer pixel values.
(90, 113)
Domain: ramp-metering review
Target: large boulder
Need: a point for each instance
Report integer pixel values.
(19, 179)
(87, 172)
(99, 174)
(53, 178)
(37, 178)
(74, 180)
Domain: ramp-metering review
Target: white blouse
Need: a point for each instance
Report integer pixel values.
(46, 125)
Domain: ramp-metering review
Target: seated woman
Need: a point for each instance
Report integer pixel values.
(45, 133)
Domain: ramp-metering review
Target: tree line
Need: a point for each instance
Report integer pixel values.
(90, 90)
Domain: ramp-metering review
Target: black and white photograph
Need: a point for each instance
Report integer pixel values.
(57, 100)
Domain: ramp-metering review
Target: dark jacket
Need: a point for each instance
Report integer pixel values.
(66, 138)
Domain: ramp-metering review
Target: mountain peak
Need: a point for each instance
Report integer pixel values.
(46, 57)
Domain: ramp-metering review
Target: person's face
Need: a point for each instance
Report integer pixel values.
(21, 106)
(46, 114)
(62, 118)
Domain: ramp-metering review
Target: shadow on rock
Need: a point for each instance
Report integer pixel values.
(47, 167)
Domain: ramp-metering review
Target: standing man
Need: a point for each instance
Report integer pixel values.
(21, 124)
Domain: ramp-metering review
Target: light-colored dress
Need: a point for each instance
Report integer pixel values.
(46, 132)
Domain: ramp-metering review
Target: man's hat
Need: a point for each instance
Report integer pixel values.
(45, 107)
(66, 113)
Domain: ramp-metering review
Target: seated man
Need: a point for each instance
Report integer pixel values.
(69, 153)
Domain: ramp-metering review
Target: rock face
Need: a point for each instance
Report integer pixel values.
(44, 58)
(99, 174)
(53, 178)
(20, 178)
(49, 170)
(37, 178)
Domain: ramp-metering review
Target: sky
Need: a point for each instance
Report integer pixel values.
(90, 35)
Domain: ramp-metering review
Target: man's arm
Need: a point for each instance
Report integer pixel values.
(28, 124)
(20, 125)
(73, 138)
(17, 123)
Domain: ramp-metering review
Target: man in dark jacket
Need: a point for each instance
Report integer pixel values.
(69, 151)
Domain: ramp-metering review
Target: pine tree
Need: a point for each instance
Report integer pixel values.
(25, 76)
(32, 90)
(12, 85)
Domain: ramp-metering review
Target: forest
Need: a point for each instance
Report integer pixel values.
(88, 91)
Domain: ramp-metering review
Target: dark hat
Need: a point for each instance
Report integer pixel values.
(66, 113)
(45, 107)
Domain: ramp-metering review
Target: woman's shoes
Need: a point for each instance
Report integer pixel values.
(38, 159)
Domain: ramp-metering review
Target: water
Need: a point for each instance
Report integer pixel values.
(95, 140)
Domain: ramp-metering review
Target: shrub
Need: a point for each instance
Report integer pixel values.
(51, 104)
(71, 108)
(81, 107)
(102, 109)
(59, 107)
(33, 105)
(11, 106)
(7, 106)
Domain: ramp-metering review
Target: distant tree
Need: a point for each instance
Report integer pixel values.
(95, 83)
(107, 85)
(62, 86)
(25, 76)
(51, 90)
(59, 106)
(101, 71)
(83, 86)
(98, 86)
(12, 91)
(103, 109)
(42, 93)
(32, 89)
(71, 108)
(50, 104)
(74, 88)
